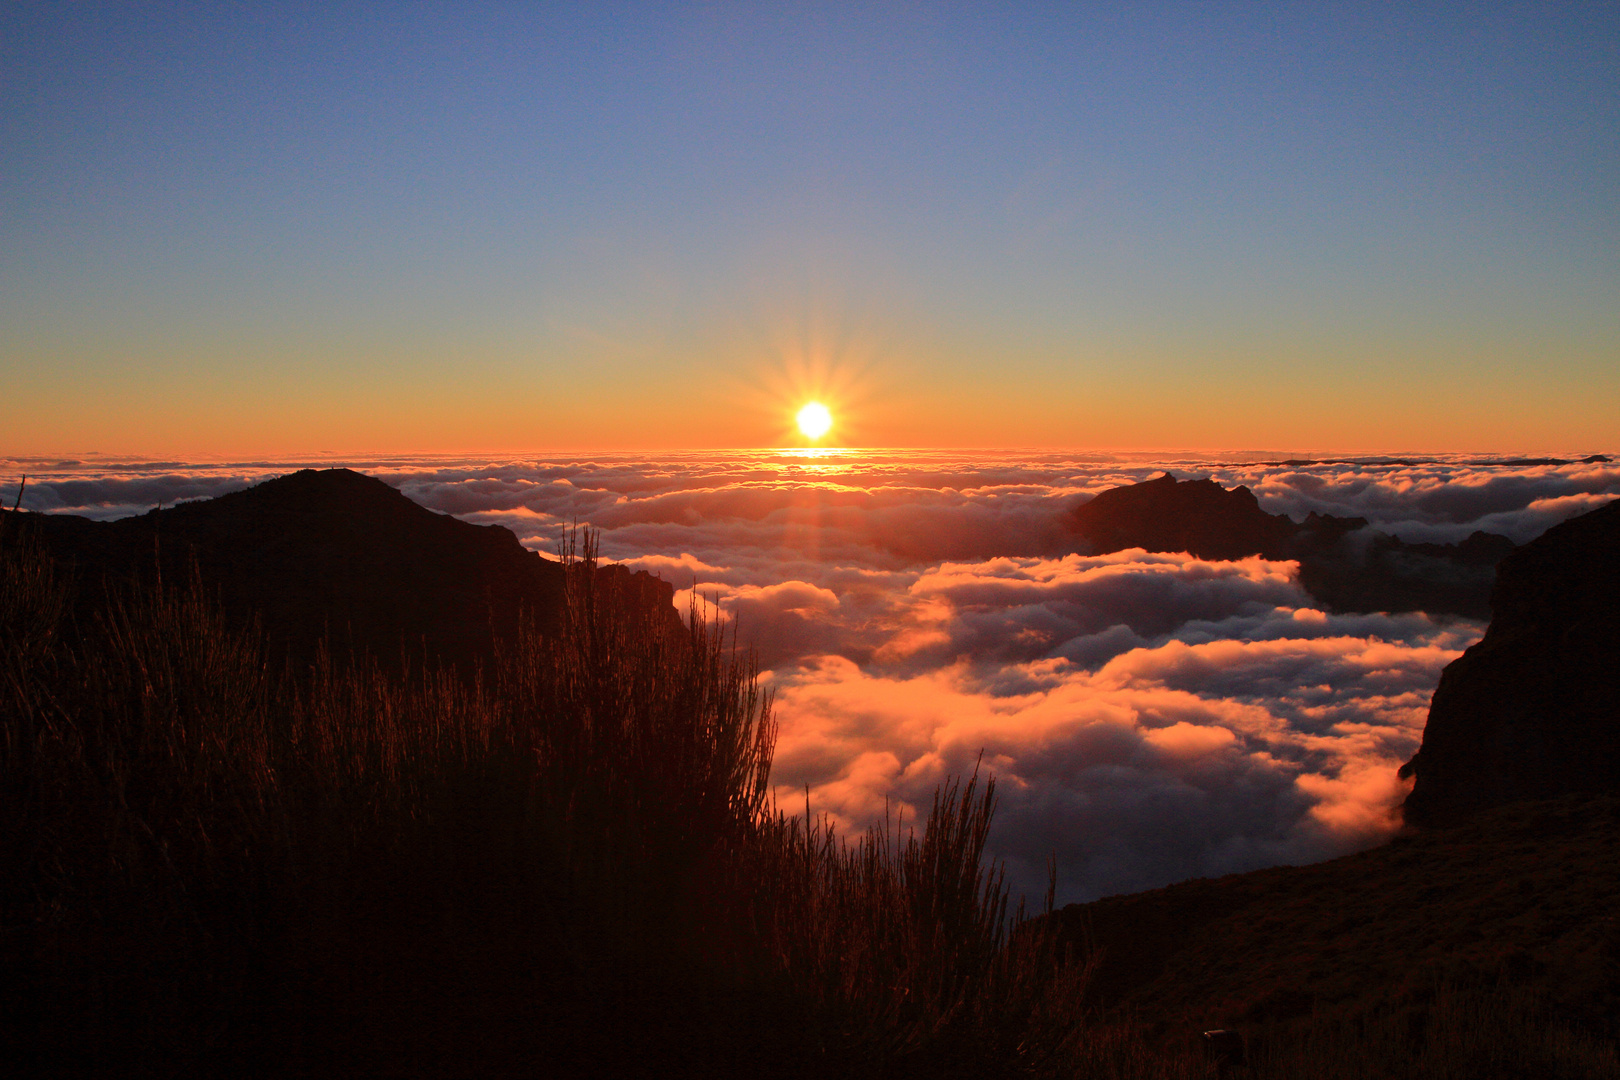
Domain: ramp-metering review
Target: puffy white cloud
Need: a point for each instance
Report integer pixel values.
(1438, 500)
(1164, 763)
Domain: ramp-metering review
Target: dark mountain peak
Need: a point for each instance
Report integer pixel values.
(1330, 525)
(321, 497)
(1569, 575)
(312, 490)
(336, 555)
(1199, 517)
(1533, 710)
(1372, 572)
(310, 483)
(1167, 490)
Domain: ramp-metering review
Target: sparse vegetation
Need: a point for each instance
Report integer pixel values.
(571, 856)
(567, 864)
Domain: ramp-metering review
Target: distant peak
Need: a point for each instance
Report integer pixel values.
(324, 483)
(330, 479)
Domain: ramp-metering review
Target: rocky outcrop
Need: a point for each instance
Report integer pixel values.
(1342, 561)
(1533, 710)
(1196, 516)
(337, 556)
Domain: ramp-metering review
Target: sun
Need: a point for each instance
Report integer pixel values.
(814, 420)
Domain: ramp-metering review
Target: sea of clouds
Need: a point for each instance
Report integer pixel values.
(1148, 717)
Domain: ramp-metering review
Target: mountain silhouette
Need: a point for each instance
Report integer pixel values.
(339, 556)
(1532, 710)
(1342, 562)
(1196, 516)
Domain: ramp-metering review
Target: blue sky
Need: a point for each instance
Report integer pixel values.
(287, 229)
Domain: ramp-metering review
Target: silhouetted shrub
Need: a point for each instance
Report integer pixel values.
(212, 864)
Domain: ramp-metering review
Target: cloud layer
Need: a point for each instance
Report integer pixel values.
(1149, 717)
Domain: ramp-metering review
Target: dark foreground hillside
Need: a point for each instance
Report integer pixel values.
(1527, 896)
(559, 861)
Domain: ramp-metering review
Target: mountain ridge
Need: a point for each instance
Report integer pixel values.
(1343, 562)
(337, 558)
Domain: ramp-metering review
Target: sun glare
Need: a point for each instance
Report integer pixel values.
(814, 420)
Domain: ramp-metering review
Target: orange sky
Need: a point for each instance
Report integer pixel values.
(492, 228)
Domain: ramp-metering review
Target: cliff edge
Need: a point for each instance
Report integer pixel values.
(1532, 711)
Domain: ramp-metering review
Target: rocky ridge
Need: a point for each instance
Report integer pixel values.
(1342, 561)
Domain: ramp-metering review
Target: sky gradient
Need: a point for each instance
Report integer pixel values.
(234, 231)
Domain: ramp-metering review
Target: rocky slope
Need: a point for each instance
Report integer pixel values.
(1525, 894)
(1532, 710)
(1343, 562)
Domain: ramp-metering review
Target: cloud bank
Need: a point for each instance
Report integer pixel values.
(1149, 717)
